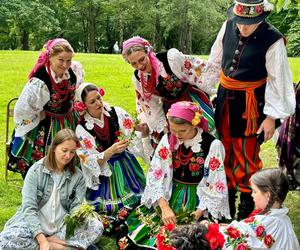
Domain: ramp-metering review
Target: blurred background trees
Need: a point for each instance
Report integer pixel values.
(94, 26)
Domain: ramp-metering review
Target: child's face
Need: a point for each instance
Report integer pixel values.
(260, 199)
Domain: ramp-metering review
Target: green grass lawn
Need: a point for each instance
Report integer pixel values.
(112, 73)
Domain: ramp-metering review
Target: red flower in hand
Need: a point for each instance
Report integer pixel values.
(233, 233)
(118, 133)
(127, 123)
(163, 153)
(214, 163)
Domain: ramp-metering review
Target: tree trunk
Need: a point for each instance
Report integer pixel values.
(25, 40)
(158, 33)
(91, 29)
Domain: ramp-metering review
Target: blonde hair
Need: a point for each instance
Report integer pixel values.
(62, 136)
(59, 48)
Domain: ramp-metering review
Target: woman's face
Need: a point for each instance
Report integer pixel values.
(260, 199)
(64, 153)
(183, 131)
(247, 29)
(60, 63)
(140, 61)
(94, 103)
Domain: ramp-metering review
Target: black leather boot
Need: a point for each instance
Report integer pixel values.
(232, 199)
(246, 206)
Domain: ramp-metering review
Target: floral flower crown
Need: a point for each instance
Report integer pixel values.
(80, 106)
(162, 238)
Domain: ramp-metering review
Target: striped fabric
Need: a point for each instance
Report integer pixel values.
(123, 188)
(241, 159)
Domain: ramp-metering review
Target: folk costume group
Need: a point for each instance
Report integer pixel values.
(197, 157)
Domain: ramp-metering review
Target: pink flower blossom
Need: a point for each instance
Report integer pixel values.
(79, 106)
(220, 187)
(158, 173)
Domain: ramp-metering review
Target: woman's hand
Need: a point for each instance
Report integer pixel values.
(168, 215)
(197, 214)
(268, 126)
(143, 128)
(44, 244)
(119, 147)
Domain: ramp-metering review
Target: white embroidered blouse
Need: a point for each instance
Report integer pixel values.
(211, 191)
(273, 231)
(35, 94)
(187, 68)
(89, 155)
(279, 95)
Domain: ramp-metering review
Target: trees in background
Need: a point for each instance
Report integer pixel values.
(95, 25)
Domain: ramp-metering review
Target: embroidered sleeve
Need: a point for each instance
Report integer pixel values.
(280, 99)
(149, 111)
(212, 190)
(79, 72)
(27, 112)
(136, 145)
(159, 177)
(194, 70)
(89, 157)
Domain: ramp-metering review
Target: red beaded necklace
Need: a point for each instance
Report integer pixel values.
(102, 133)
(184, 159)
(148, 86)
(62, 88)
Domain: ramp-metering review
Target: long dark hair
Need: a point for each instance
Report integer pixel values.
(274, 181)
(189, 237)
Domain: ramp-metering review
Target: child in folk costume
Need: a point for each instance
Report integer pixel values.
(186, 174)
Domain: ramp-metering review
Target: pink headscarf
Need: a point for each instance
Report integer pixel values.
(138, 41)
(189, 111)
(46, 52)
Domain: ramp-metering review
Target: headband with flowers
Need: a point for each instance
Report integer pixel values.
(79, 104)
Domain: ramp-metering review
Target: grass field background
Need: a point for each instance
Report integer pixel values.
(112, 73)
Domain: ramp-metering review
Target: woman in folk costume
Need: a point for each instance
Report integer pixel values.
(113, 175)
(186, 175)
(165, 78)
(255, 90)
(45, 105)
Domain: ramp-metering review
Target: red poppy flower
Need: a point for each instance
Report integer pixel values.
(127, 123)
(79, 106)
(214, 163)
(101, 91)
(268, 240)
(233, 233)
(170, 227)
(163, 153)
(260, 231)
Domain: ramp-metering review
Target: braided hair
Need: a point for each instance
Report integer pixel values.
(189, 237)
(274, 181)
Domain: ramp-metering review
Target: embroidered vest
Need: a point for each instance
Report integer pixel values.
(191, 169)
(55, 105)
(244, 59)
(113, 125)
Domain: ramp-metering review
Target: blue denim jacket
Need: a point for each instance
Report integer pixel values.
(37, 189)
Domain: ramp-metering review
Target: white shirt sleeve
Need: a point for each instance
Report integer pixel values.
(28, 108)
(160, 174)
(194, 70)
(280, 101)
(212, 190)
(136, 145)
(78, 71)
(89, 157)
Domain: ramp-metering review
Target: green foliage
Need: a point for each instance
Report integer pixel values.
(293, 38)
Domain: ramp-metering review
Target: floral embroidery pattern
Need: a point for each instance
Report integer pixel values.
(128, 123)
(163, 153)
(87, 143)
(214, 163)
(158, 173)
(214, 237)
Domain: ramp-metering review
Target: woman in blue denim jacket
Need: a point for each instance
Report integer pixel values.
(52, 188)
